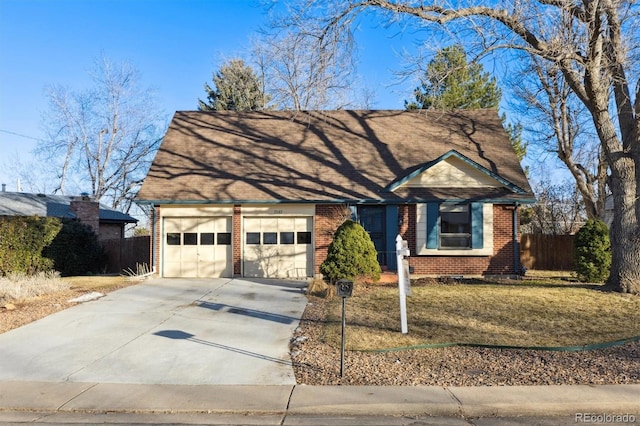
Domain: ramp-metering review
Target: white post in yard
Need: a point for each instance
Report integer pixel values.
(404, 283)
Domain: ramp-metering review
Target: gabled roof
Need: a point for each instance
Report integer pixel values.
(46, 205)
(327, 156)
(453, 153)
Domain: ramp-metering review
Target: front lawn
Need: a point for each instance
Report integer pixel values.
(515, 313)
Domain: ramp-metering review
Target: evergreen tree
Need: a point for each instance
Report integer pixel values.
(351, 254)
(236, 87)
(450, 82)
(593, 251)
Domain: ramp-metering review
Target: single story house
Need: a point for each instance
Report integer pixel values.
(106, 222)
(259, 194)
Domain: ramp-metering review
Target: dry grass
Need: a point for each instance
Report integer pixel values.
(550, 274)
(39, 296)
(102, 283)
(318, 287)
(20, 287)
(523, 313)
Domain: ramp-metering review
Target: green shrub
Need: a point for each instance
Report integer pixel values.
(593, 252)
(351, 254)
(22, 240)
(76, 250)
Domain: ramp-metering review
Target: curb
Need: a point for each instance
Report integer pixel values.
(466, 402)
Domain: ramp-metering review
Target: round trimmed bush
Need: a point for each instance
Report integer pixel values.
(351, 254)
(593, 252)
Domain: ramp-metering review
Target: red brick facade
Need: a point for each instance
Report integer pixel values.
(328, 218)
(501, 263)
(237, 240)
(110, 231)
(87, 212)
(156, 238)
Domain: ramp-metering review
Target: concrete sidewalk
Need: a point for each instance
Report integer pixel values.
(61, 402)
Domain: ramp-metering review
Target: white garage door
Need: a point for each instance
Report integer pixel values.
(197, 247)
(278, 247)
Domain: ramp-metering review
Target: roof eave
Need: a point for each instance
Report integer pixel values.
(491, 200)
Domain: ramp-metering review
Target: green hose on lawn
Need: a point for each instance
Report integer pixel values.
(538, 348)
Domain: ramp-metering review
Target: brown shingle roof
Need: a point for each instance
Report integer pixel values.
(321, 156)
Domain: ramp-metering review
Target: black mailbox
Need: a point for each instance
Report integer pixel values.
(344, 288)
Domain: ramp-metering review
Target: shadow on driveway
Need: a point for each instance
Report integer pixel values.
(181, 335)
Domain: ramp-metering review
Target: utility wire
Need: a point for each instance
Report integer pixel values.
(21, 135)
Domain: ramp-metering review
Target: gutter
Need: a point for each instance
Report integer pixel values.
(350, 201)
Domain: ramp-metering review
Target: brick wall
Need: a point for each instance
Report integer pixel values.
(500, 263)
(110, 231)
(154, 220)
(87, 211)
(328, 218)
(237, 240)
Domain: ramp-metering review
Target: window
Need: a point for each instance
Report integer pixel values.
(270, 238)
(173, 238)
(287, 238)
(253, 238)
(455, 226)
(304, 237)
(454, 229)
(224, 238)
(206, 239)
(190, 238)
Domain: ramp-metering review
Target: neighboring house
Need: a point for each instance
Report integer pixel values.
(107, 223)
(259, 194)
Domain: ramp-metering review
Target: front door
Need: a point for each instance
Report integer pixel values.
(372, 219)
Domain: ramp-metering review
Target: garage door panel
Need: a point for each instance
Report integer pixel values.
(303, 224)
(190, 247)
(271, 247)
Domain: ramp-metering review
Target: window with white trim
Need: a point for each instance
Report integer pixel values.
(454, 229)
(455, 226)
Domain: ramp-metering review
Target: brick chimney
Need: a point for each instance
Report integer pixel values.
(87, 211)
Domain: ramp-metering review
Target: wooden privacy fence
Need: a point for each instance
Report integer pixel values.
(124, 253)
(547, 252)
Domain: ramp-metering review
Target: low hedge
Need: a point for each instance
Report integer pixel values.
(31, 244)
(22, 240)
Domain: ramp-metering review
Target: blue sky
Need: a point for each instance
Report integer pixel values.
(176, 45)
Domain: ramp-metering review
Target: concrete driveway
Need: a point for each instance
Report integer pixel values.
(164, 331)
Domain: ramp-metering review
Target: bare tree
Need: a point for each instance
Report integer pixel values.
(103, 139)
(561, 125)
(595, 59)
(558, 211)
(301, 74)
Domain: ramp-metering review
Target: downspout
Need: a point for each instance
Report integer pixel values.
(516, 243)
(153, 238)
